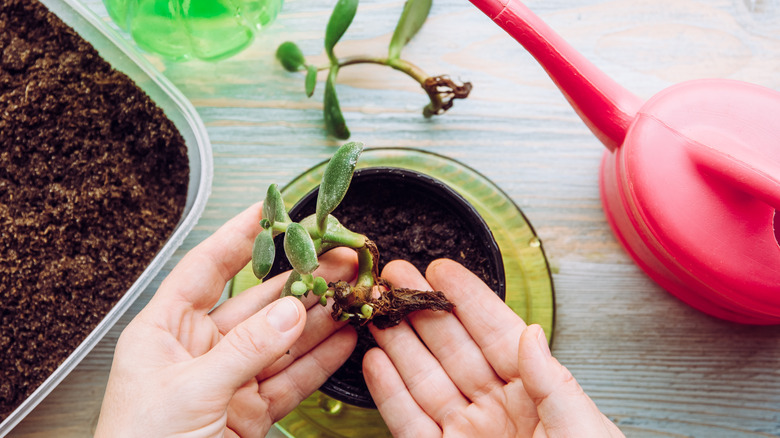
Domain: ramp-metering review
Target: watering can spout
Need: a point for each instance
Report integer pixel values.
(606, 107)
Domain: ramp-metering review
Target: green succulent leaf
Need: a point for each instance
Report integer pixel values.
(336, 180)
(334, 119)
(263, 253)
(340, 19)
(335, 234)
(412, 18)
(287, 289)
(298, 288)
(311, 80)
(273, 206)
(300, 250)
(366, 311)
(320, 286)
(290, 56)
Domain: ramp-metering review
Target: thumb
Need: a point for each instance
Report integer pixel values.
(252, 346)
(563, 407)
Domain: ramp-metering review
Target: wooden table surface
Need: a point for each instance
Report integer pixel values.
(653, 365)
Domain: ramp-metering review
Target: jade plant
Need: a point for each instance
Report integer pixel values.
(441, 90)
(370, 298)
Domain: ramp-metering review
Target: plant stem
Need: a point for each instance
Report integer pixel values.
(280, 227)
(366, 268)
(344, 237)
(405, 67)
(410, 69)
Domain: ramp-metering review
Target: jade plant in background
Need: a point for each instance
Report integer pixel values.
(441, 90)
(371, 298)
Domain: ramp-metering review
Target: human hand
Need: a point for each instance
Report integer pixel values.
(479, 371)
(182, 369)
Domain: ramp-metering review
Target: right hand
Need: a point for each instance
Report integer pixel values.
(479, 371)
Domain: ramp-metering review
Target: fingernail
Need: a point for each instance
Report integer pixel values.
(283, 315)
(543, 345)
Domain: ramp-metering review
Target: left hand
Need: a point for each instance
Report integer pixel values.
(182, 369)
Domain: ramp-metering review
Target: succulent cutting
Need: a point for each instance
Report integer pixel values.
(370, 297)
(441, 90)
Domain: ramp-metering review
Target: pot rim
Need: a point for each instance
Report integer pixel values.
(449, 200)
(453, 200)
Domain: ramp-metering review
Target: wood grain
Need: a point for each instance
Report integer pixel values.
(653, 365)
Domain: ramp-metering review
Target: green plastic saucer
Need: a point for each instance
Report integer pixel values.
(529, 289)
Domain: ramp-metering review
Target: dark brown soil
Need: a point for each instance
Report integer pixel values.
(409, 224)
(413, 226)
(93, 179)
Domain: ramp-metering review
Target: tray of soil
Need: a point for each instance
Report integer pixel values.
(423, 207)
(104, 169)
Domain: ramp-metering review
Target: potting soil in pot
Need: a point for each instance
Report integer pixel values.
(93, 180)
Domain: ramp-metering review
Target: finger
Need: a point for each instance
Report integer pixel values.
(401, 273)
(564, 408)
(285, 390)
(251, 346)
(319, 327)
(422, 374)
(489, 321)
(337, 264)
(402, 415)
(198, 279)
(457, 352)
(237, 309)
(247, 413)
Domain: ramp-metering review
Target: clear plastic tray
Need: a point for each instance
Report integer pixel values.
(128, 60)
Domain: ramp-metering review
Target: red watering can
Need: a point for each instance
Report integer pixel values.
(690, 181)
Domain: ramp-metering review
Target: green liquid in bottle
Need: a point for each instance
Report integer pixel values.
(183, 29)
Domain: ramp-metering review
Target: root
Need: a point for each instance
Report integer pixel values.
(392, 306)
(395, 304)
(447, 90)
